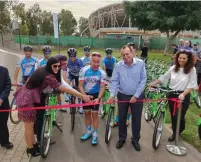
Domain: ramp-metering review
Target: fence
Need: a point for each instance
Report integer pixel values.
(13, 42)
(74, 41)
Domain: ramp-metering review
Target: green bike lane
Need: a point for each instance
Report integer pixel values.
(69, 148)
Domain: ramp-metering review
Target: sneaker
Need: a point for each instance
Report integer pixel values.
(94, 140)
(81, 110)
(86, 136)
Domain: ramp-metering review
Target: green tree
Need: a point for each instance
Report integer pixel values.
(165, 16)
(47, 23)
(24, 29)
(19, 12)
(67, 22)
(5, 15)
(83, 26)
(33, 19)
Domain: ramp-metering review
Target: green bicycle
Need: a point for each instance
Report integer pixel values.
(157, 112)
(194, 95)
(49, 118)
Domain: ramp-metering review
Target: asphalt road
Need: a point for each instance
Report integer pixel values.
(69, 148)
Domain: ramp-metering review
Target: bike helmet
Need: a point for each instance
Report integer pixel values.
(108, 51)
(28, 48)
(47, 50)
(87, 49)
(72, 52)
(61, 57)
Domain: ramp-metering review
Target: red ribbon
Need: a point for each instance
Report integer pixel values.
(176, 105)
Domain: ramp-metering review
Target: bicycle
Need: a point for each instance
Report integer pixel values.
(73, 111)
(49, 117)
(14, 114)
(159, 114)
(195, 97)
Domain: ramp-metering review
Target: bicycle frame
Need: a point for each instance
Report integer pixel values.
(51, 101)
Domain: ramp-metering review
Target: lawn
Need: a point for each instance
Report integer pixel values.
(190, 135)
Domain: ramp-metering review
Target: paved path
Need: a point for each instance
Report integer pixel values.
(69, 148)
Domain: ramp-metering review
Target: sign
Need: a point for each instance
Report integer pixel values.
(55, 22)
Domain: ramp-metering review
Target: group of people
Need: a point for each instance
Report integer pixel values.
(127, 82)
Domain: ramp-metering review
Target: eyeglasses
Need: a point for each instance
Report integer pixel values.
(56, 66)
(96, 54)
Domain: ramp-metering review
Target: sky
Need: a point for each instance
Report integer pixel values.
(77, 7)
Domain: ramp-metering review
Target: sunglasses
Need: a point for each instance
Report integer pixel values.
(96, 54)
(56, 66)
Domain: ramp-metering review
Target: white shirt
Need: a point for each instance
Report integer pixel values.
(179, 80)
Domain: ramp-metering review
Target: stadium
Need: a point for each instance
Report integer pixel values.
(112, 22)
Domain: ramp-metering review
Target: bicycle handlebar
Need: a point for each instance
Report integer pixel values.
(166, 90)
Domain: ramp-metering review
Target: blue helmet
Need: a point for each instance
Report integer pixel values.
(47, 50)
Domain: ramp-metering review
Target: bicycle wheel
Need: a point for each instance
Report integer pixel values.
(199, 131)
(72, 113)
(158, 129)
(196, 98)
(14, 114)
(147, 112)
(108, 130)
(45, 137)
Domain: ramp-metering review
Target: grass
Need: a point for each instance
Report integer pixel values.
(190, 135)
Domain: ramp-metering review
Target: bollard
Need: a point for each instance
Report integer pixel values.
(176, 149)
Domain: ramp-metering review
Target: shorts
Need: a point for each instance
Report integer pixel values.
(92, 107)
(24, 79)
(72, 77)
(109, 72)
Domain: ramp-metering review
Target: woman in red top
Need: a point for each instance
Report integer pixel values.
(29, 96)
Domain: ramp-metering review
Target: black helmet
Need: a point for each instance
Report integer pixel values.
(108, 51)
(72, 52)
(61, 57)
(47, 50)
(28, 48)
(87, 49)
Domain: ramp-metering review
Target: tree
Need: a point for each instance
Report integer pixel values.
(83, 26)
(5, 15)
(165, 16)
(19, 12)
(67, 22)
(33, 19)
(47, 23)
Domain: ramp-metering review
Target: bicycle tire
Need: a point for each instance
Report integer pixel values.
(45, 141)
(196, 99)
(155, 140)
(12, 118)
(147, 113)
(72, 113)
(199, 131)
(108, 130)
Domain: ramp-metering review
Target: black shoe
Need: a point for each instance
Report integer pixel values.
(36, 146)
(171, 138)
(33, 152)
(8, 146)
(120, 144)
(136, 145)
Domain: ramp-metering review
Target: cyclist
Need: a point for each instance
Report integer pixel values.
(86, 59)
(91, 82)
(74, 66)
(27, 64)
(46, 52)
(108, 62)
